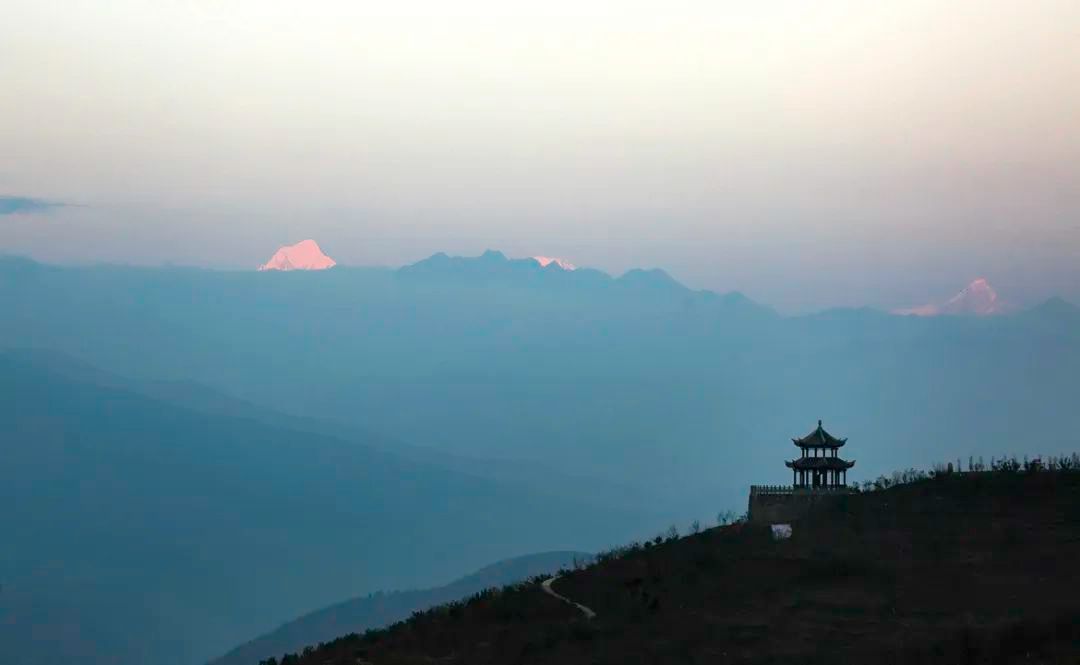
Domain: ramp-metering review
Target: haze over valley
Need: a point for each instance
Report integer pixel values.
(327, 318)
(204, 440)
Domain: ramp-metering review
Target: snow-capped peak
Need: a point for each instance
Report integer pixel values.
(545, 261)
(978, 299)
(304, 255)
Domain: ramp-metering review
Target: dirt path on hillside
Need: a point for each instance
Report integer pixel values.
(589, 614)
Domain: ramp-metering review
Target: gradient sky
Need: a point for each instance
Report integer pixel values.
(809, 154)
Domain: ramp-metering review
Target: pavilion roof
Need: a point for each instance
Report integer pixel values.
(819, 463)
(819, 438)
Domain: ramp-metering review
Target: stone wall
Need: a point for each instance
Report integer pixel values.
(783, 504)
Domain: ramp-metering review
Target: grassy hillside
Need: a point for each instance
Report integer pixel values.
(965, 568)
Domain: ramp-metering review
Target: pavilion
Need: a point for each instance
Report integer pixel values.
(820, 466)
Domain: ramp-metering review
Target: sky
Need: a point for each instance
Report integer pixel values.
(810, 155)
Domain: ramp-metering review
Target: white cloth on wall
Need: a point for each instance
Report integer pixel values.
(781, 531)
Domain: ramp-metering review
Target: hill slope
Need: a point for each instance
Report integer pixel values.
(381, 609)
(967, 568)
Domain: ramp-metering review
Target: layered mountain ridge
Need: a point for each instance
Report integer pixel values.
(668, 397)
(171, 521)
(979, 298)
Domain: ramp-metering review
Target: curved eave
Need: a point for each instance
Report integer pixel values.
(817, 443)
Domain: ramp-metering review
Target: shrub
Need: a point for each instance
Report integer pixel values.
(726, 517)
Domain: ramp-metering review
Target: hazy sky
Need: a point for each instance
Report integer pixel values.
(807, 153)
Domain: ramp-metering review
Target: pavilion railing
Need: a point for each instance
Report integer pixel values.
(772, 489)
(781, 490)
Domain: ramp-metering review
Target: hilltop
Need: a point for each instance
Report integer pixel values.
(973, 567)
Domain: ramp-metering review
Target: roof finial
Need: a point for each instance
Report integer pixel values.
(819, 422)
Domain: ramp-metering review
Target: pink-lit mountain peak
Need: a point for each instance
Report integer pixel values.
(978, 299)
(545, 261)
(304, 255)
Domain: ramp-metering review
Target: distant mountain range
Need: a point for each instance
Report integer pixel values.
(382, 609)
(636, 291)
(307, 255)
(977, 299)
